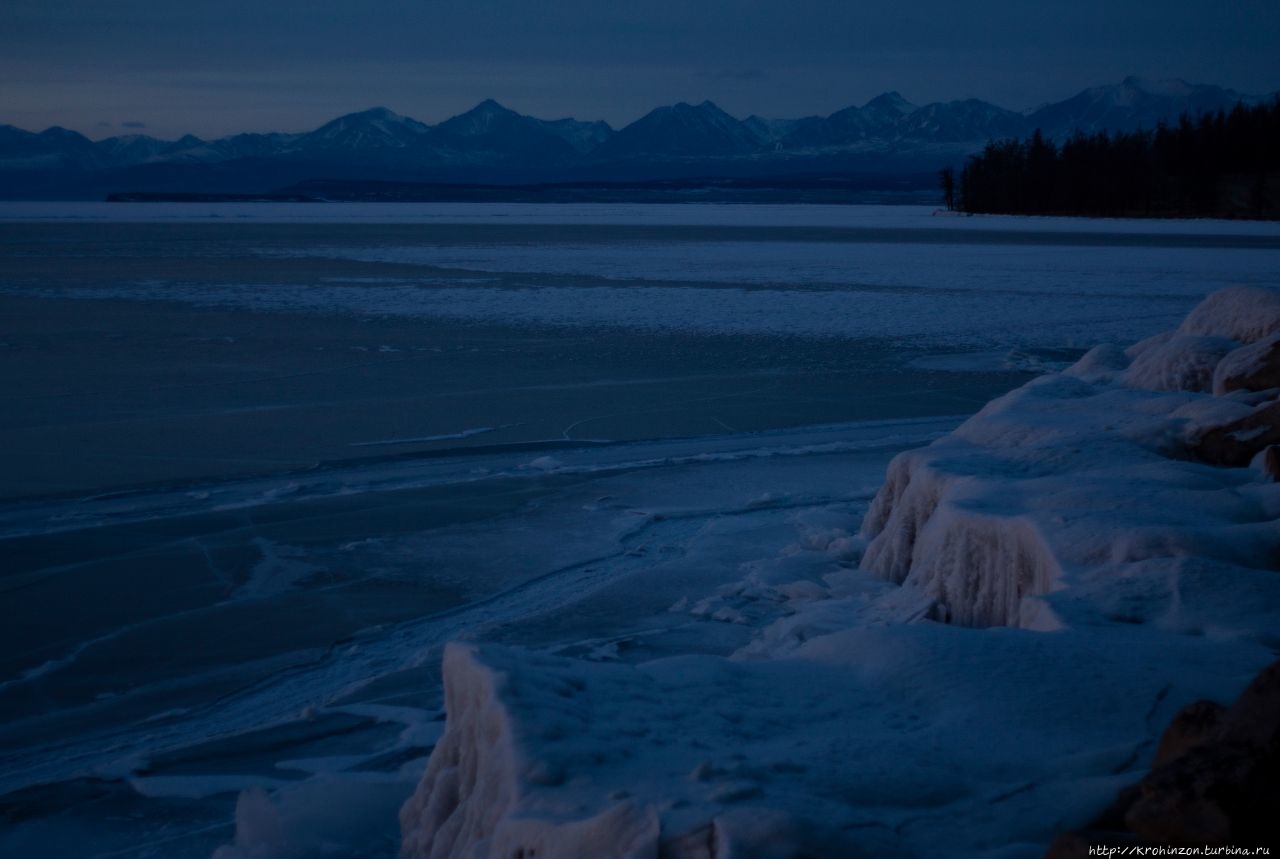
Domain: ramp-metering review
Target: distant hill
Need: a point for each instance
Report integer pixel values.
(495, 145)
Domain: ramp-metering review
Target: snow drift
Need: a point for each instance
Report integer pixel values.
(1040, 591)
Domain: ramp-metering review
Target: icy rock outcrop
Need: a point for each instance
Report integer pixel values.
(468, 801)
(564, 759)
(982, 568)
(1236, 443)
(468, 785)
(1183, 362)
(1215, 780)
(1255, 367)
(1088, 470)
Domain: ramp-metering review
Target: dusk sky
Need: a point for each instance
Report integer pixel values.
(167, 67)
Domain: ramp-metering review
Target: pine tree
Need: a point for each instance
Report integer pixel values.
(947, 178)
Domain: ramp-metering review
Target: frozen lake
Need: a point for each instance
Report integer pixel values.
(261, 462)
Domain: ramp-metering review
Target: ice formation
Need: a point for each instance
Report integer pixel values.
(1090, 470)
(1039, 592)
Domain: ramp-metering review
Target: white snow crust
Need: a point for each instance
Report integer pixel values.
(1029, 601)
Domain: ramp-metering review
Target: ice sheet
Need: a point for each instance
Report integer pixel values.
(277, 656)
(787, 215)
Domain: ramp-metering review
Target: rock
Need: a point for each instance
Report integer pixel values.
(1076, 845)
(1254, 719)
(1215, 780)
(1236, 443)
(1271, 462)
(1225, 788)
(1193, 724)
(1182, 801)
(1251, 368)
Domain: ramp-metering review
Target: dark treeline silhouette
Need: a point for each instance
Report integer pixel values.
(1221, 164)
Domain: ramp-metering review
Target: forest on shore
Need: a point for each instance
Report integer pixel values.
(1220, 164)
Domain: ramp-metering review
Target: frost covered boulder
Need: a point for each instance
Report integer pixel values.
(1230, 342)
(1177, 362)
(1255, 367)
(1236, 443)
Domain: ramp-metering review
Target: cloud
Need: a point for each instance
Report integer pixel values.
(133, 123)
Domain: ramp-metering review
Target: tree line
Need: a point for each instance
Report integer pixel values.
(1224, 164)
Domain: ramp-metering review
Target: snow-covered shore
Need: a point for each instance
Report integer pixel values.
(1076, 562)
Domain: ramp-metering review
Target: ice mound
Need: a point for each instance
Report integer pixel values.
(1093, 469)
(1028, 603)
(1181, 362)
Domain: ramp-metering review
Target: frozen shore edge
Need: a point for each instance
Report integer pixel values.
(1079, 506)
(1077, 562)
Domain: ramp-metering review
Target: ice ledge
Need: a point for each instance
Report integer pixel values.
(1099, 468)
(551, 757)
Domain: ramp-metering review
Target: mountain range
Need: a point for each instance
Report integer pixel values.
(492, 144)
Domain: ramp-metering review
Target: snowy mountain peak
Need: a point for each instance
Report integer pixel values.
(682, 130)
(376, 116)
(711, 109)
(1169, 87)
(378, 113)
(57, 132)
(890, 102)
(1133, 103)
(490, 106)
(376, 127)
(480, 120)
